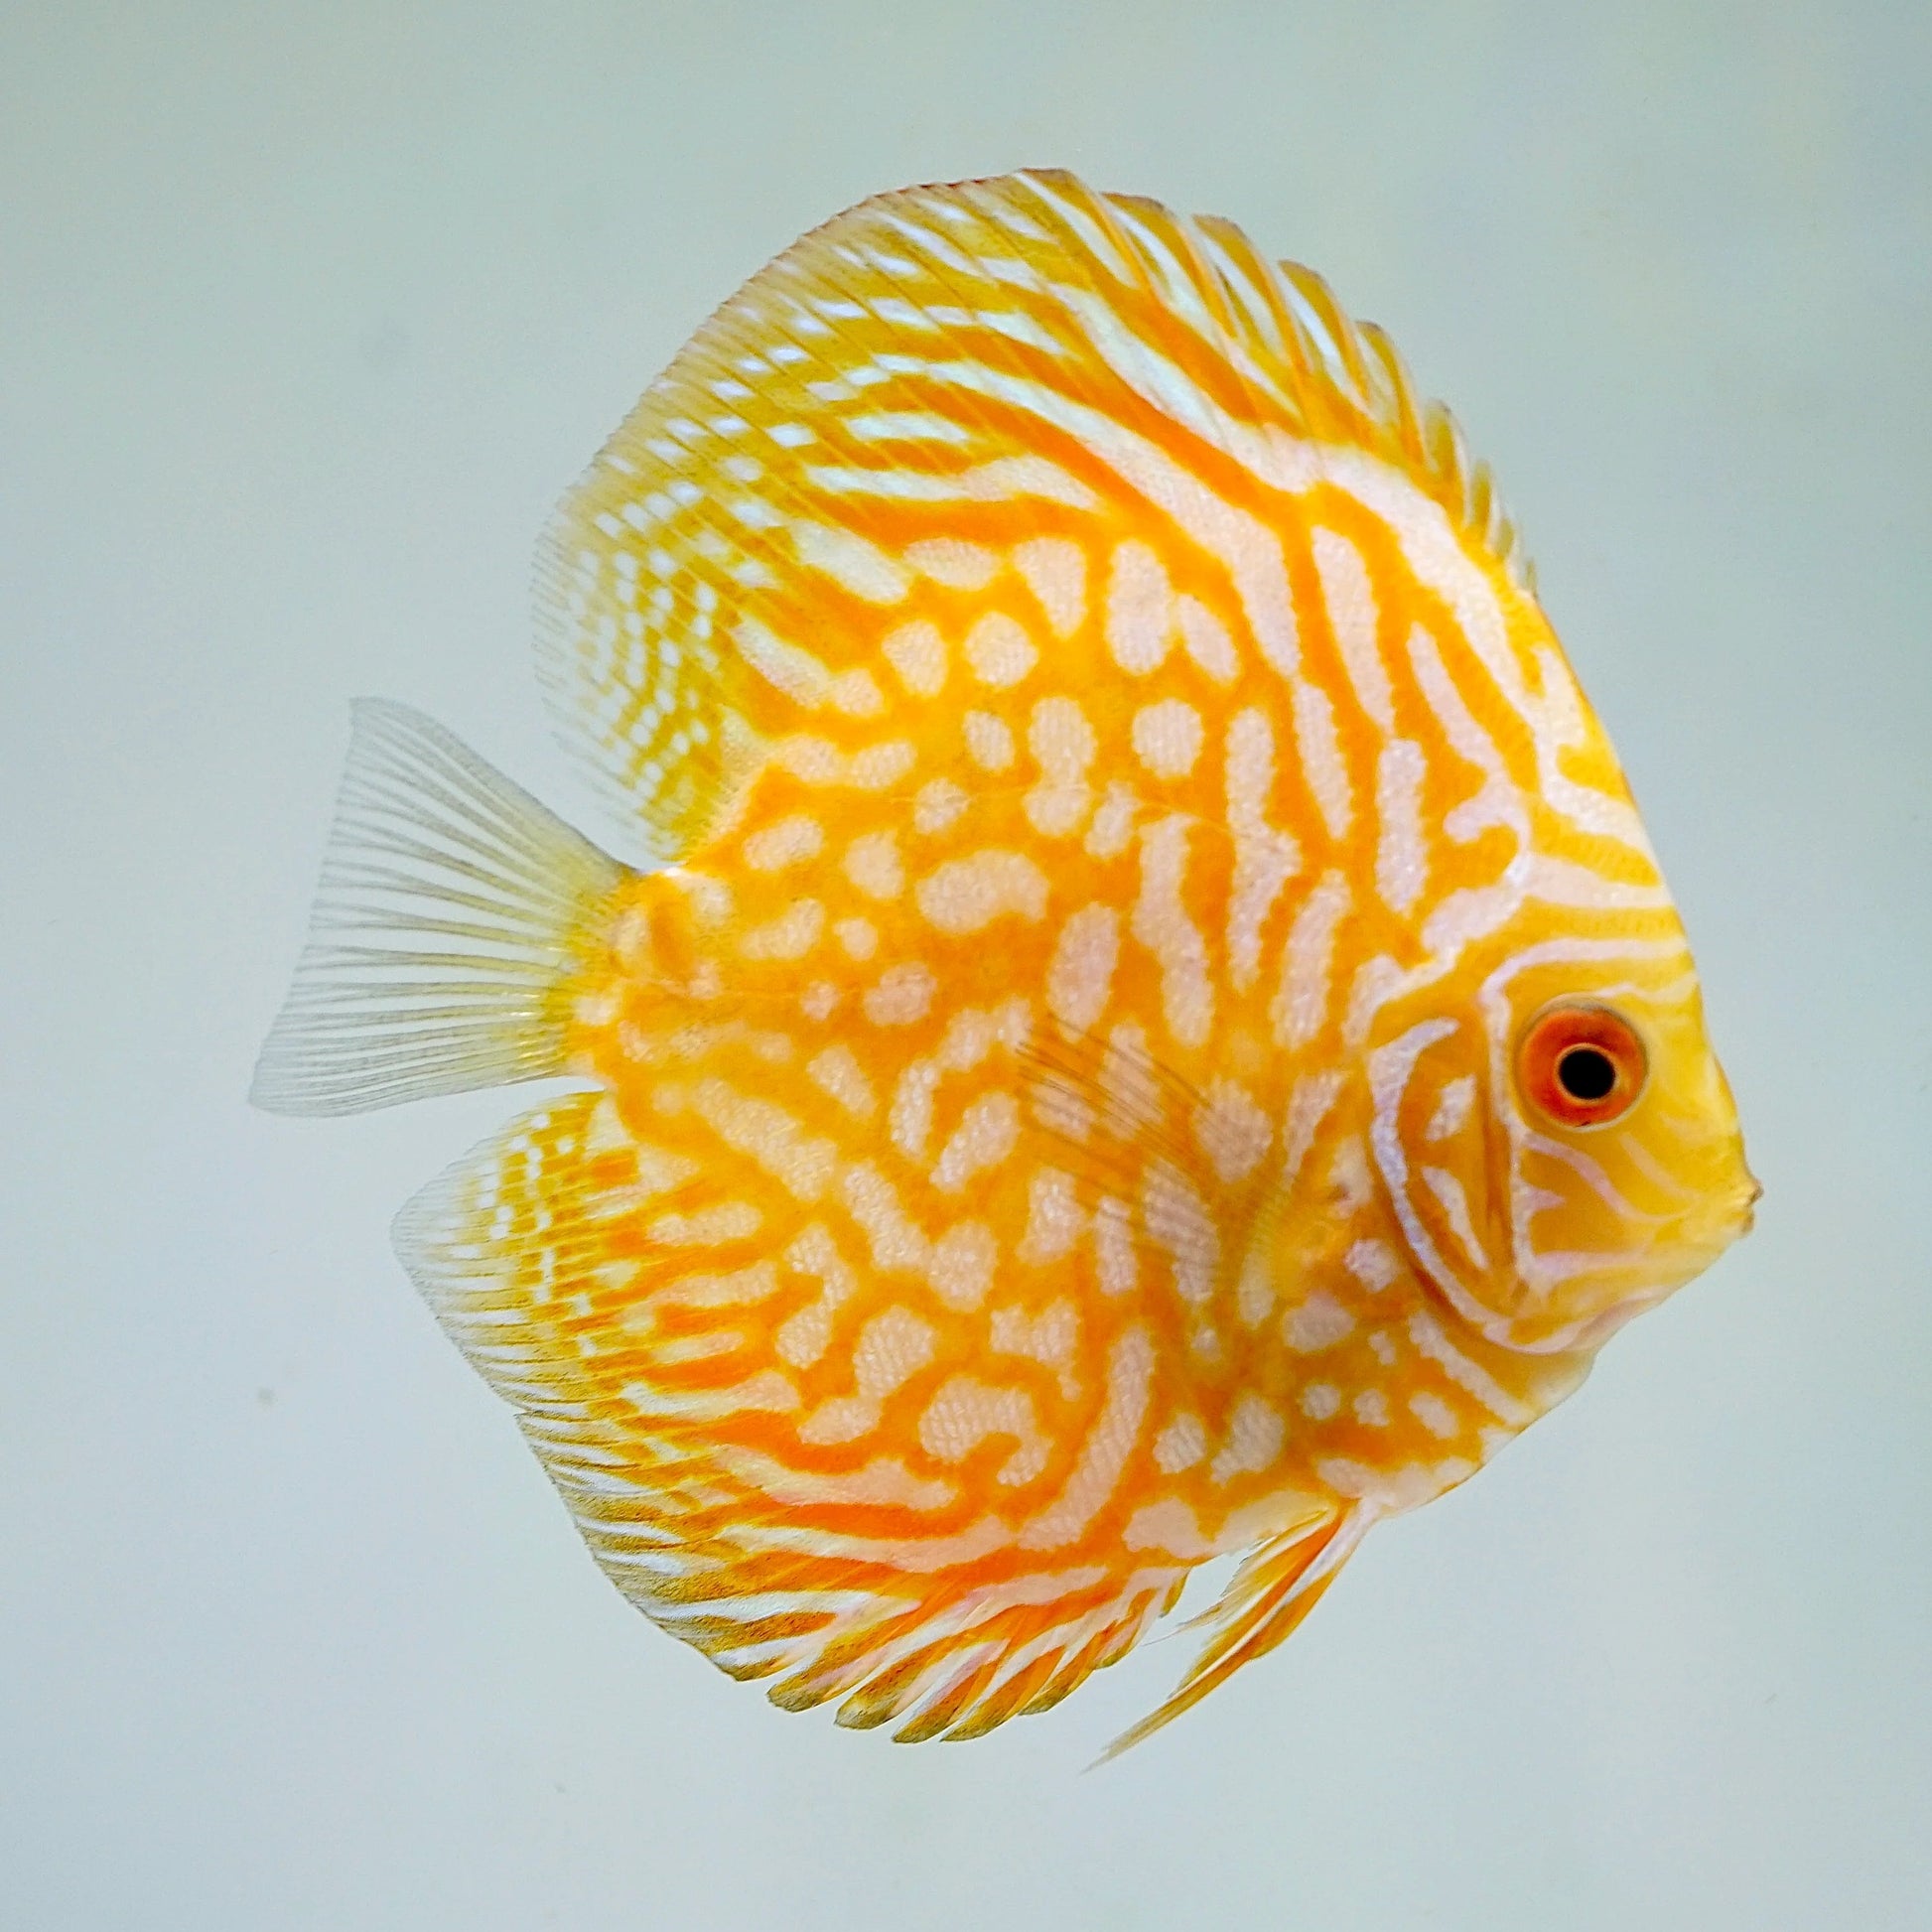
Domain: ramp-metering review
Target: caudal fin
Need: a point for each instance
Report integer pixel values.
(452, 911)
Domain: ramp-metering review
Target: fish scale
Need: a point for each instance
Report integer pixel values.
(1064, 1104)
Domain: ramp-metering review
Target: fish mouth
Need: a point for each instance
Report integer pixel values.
(1730, 1221)
(1747, 1206)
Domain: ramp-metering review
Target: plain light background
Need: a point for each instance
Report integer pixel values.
(307, 314)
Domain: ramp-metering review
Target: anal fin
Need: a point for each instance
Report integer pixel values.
(614, 1293)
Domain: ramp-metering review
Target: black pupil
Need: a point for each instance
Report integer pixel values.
(1587, 1073)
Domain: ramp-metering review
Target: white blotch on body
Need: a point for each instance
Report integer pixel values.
(988, 1132)
(1351, 598)
(1301, 1004)
(1232, 1131)
(1452, 1106)
(1140, 609)
(958, 565)
(918, 653)
(1255, 1435)
(964, 895)
(1112, 830)
(1372, 1262)
(1320, 1400)
(999, 650)
(791, 935)
(1055, 1218)
(1115, 1260)
(1180, 1445)
(1320, 747)
(1103, 1456)
(859, 938)
(1065, 745)
(852, 562)
(1177, 1219)
(937, 806)
(785, 843)
(1164, 926)
(1266, 858)
(1319, 1322)
(871, 862)
(989, 741)
(1167, 737)
(967, 1411)
(1080, 974)
(901, 995)
(1206, 639)
(1402, 849)
(1056, 571)
(837, 1072)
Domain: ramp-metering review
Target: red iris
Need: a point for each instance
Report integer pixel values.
(1580, 1064)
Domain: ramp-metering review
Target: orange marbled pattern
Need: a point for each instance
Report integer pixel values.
(1051, 1114)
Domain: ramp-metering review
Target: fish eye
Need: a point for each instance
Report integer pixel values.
(1580, 1064)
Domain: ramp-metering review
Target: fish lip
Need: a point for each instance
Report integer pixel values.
(1735, 1219)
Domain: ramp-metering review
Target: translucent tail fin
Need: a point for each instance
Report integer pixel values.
(452, 911)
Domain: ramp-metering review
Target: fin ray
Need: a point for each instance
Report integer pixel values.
(541, 1255)
(1267, 1601)
(925, 366)
(451, 909)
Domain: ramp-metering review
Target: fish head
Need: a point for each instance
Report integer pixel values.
(1560, 1146)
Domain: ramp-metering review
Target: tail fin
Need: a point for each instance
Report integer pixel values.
(452, 911)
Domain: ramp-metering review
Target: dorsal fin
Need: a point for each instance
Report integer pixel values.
(929, 366)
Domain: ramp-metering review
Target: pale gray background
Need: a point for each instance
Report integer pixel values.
(307, 314)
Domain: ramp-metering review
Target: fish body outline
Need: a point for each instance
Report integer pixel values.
(1111, 805)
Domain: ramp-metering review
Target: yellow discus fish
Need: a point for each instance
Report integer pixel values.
(1155, 1028)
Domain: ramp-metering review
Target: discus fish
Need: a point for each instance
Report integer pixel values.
(1148, 1026)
